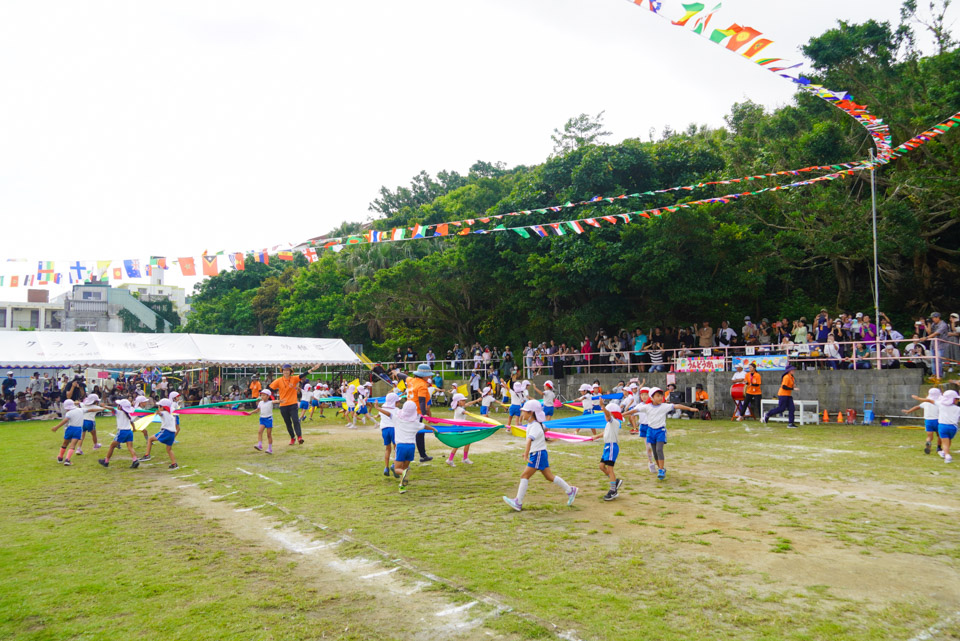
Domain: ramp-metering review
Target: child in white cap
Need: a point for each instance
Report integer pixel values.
(315, 400)
(657, 412)
(948, 419)
(549, 396)
(124, 416)
(90, 407)
(535, 455)
(611, 448)
(516, 402)
(586, 400)
(305, 395)
(362, 396)
(486, 400)
(931, 415)
(73, 419)
(406, 426)
(457, 404)
(387, 430)
(167, 434)
(265, 407)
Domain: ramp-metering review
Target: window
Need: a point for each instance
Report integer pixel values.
(142, 290)
(35, 318)
(3, 317)
(89, 295)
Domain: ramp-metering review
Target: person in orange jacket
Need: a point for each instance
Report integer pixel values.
(785, 397)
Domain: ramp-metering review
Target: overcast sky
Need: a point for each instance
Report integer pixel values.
(130, 129)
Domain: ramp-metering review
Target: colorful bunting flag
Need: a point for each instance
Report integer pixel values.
(14, 281)
(209, 264)
(187, 266)
(262, 257)
(133, 268)
(399, 233)
(45, 271)
(442, 229)
(285, 255)
(311, 254)
(117, 273)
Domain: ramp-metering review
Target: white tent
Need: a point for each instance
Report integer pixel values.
(102, 349)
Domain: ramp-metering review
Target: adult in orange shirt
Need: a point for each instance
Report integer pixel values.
(288, 385)
(418, 391)
(753, 391)
(255, 387)
(785, 397)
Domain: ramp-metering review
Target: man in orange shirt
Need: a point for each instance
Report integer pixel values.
(255, 387)
(288, 385)
(753, 390)
(785, 397)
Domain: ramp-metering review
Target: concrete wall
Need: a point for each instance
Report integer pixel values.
(835, 390)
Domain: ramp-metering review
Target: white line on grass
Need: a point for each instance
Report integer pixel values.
(377, 574)
(249, 509)
(459, 608)
(180, 487)
(223, 496)
(929, 633)
(267, 478)
(245, 472)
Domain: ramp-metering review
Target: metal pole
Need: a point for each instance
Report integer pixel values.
(876, 264)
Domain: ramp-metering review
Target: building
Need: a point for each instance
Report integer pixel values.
(158, 291)
(37, 313)
(98, 307)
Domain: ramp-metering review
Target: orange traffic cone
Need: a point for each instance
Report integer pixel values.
(826, 417)
(839, 417)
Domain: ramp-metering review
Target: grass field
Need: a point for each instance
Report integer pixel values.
(758, 532)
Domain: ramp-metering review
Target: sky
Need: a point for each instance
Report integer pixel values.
(132, 129)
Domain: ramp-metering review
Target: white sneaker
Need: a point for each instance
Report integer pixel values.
(467, 461)
(764, 418)
(451, 463)
(512, 503)
(653, 468)
(947, 459)
(940, 453)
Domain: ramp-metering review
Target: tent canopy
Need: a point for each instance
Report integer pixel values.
(103, 349)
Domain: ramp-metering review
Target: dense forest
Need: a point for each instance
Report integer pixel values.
(781, 253)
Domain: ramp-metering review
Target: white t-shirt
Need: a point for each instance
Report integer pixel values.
(123, 421)
(405, 432)
(168, 422)
(587, 400)
(642, 412)
(74, 417)
(628, 401)
(460, 414)
(516, 398)
(548, 396)
(387, 421)
(657, 415)
(931, 411)
(317, 394)
(739, 376)
(349, 396)
(537, 437)
(486, 398)
(89, 416)
(266, 408)
(949, 414)
(611, 433)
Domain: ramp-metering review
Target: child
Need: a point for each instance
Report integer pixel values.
(516, 401)
(387, 431)
(611, 448)
(641, 409)
(627, 403)
(931, 414)
(549, 396)
(536, 457)
(586, 399)
(486, 400)
(406, 426)
(351, 400)
(124, 433)
(305, 395)
(89, 421)
(73, 419)
(315, 400)
(657, 412)
(167, 434)
(265, 405)
(139, 402)
(457, 404)
(362, 397)
(948, 419)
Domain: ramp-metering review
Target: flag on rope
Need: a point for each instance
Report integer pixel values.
(311, 254)
(285, 255)
(399, 233)
(262, 257)
(117, 273)
(133, 268)
(188, 267)
(209, 265)
(45, 271)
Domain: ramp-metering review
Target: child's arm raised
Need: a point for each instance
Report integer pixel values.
(685, 408)
(913, 409)
(921, 399)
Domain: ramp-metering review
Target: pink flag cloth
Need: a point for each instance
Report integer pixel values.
(447, 421)
(562, 437)
(215, 411)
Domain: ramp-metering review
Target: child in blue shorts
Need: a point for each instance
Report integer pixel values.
(406, 426)
(657, 412)
(386, 412)
(265, 405)
(73, 419)
(305, 395)
(536, 457)
(167, 434)
(948, 420)
(931, 415)
(611, 448)
(90, 407)
(124, 433)
(549, 396)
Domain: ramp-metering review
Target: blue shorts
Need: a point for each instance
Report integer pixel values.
(947, 431)
(484, 409)
(405, 451)
(176, 417)
(266, 422)
(588, 412)
(362, 410)
(932, 425)
(89, 425)
(72, 433)
(656, 435)
(514, 410)
(548, 410)
(610, 453)
(539, 460)
(643, 431)
(166, 437)
(124, 436)
(304, 405)
(388, 436)
(314, 402)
